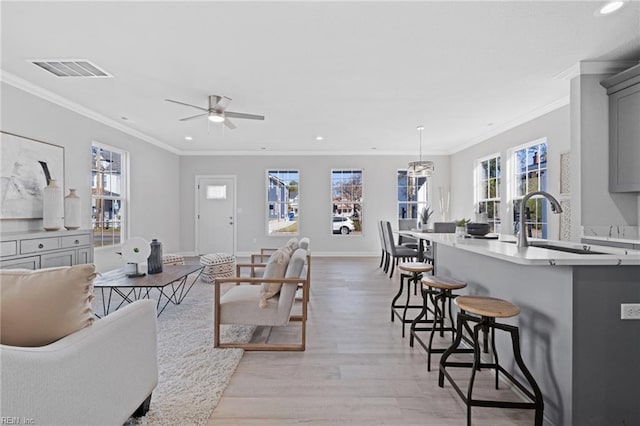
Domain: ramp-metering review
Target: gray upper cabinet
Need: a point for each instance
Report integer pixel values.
(624, 130)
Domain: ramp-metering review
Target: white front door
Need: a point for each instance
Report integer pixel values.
(215, 214)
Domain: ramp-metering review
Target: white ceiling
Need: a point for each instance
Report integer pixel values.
(361, 74)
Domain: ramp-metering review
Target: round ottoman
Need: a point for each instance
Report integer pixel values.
(217, 265)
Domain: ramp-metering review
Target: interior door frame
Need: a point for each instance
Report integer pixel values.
(234, 178)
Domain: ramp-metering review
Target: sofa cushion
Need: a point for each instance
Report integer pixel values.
(42, 306)
(275, 268)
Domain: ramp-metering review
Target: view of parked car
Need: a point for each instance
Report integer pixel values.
(342, 225)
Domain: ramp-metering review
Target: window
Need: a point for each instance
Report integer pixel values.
(346, 200)
(530, 174)
(488, 191)
(108, 197)
(413, 195)
(283, 198)
(216, 192)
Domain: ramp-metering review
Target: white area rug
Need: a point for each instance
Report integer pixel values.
(192, 373)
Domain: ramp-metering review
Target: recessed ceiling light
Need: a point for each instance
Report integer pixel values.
(610, 7)
(189, 138)
(319, 138)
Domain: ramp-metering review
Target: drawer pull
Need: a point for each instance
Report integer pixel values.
(40, 245)
(76, 242)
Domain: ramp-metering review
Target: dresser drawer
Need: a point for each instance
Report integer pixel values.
(75, 240)
(40, 244)
(8, 248)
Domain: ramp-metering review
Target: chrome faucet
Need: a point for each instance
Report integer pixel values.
(555, 208)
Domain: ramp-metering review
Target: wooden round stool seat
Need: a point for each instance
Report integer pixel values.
(487, 306)
(416, 267)
(442, 283)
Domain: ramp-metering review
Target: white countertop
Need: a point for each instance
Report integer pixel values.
(502, 249)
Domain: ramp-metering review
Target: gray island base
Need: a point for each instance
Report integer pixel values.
(585, 359)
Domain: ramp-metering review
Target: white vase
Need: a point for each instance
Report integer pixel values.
(52, 209)
(72, 210)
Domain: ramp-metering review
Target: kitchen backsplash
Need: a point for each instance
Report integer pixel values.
(612, 231)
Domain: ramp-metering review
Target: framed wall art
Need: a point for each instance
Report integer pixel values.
(26, 167)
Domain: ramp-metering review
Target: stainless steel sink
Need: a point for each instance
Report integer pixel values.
(561, 248)
(567, 249)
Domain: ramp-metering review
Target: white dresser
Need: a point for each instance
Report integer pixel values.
(46, 249)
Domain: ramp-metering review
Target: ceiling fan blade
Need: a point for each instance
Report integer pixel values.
(229, 124)
(194, 116)
(223, 103)
(243, 115)
(182, 103)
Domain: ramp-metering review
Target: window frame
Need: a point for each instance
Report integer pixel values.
(542, 205)
(285, 204)
(419, 204)
(123, 200)
(357, 222)
(496, 221)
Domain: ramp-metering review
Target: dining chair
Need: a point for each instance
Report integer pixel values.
(396, 252)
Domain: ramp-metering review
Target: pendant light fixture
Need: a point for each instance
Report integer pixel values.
(420, 168)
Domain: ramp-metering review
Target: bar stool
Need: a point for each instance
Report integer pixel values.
(416, 269)
(486, 310)
(439, 290)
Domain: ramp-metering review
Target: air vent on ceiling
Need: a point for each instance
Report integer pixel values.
(71, 68)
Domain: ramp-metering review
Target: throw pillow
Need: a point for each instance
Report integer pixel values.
(292, 244)
(275, 268)
(39, 307)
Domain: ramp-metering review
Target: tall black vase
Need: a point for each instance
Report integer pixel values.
(154, 262)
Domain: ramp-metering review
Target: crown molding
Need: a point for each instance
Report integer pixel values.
(54, 98)
(595, 67)
(501, 128)
(289, 153)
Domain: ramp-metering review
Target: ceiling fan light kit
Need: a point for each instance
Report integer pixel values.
(216, 117)
(217, 111)
(420, 168)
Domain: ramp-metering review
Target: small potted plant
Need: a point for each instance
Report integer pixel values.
(461, 226)
(423, 220)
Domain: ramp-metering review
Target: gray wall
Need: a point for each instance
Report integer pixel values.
(594, 203)
(154, 185)
(554, 126)
(380, 197)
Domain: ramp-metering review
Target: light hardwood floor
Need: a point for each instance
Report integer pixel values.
(357, 368)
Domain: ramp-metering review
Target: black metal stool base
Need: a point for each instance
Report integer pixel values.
(484, 324)
(437, 323)
(415, 277)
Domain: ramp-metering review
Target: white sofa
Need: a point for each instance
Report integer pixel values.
(100, 375)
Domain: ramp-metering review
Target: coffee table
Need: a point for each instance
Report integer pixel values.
(172, 285)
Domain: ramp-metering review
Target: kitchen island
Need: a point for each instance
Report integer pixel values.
(585, 359)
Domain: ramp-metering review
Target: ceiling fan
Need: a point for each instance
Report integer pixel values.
(217, 111)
